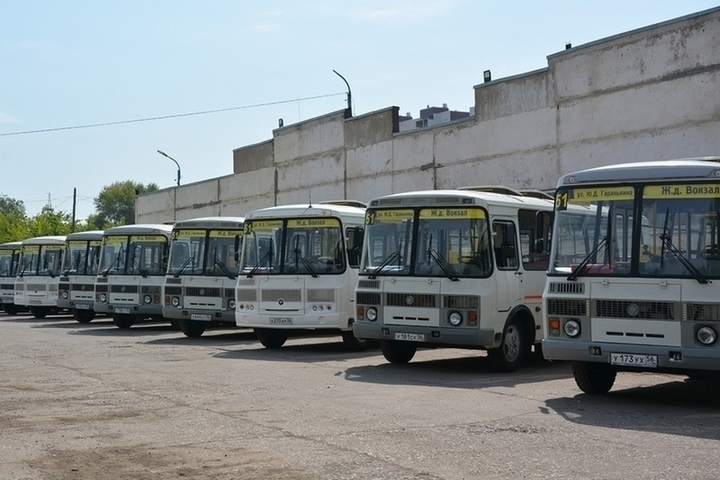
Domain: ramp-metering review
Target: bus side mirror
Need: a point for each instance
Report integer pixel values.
(358, 237)
(237, 248)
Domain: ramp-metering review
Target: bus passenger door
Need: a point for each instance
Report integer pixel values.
(508, 276)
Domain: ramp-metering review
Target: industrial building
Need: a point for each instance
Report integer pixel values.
(647, 94)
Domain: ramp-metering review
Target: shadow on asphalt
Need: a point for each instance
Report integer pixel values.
(678, 407)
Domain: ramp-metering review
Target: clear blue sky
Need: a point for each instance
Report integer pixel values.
(67, 63)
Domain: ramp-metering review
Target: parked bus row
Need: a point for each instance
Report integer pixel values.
(616, 271)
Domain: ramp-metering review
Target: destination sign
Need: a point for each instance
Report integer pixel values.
(690, 190)
(313, 222)
(148, 238)
(451, 213)
(262, 225)
(388, 216)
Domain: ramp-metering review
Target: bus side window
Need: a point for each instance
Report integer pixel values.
(505, 245)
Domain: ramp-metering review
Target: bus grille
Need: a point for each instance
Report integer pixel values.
(151, 289)
(321, 295)
(625, 309)
(246, 295)
(101, 288)
(229, 293)
(7, 286)
(40, 287)
(173, 280)
(368, 298)
(566, 287)
(411, 300)
(173, 290)
(702, 312)
(561, 306)
(124, 288)
(202, 292)
(274, 294)
(460, 301)
(82, 287)
(368, 284)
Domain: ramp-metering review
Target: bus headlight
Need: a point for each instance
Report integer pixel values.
(371, 314)
(147, 299)
(103, 297)
(706, 335)
(65, 294)
(572, 328)
(175, 301)
(231, 304)
(455, 319)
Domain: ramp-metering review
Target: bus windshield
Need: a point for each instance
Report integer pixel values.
(8, 262)
(186, 252)
(134, 255)
(676, 234)
(81, 257)
(450, 242)
(306, 246)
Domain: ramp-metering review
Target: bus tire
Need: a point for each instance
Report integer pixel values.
(354, 344)
(511, 352)
(271, 338)
(594, 378)
(176, 325)
(83, 316)
(123, 321)
(192, 329)
(38, 312)
(398, 352)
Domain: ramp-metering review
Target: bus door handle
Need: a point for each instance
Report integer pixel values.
(518, 273)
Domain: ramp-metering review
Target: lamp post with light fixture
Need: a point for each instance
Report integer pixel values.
(176, 163)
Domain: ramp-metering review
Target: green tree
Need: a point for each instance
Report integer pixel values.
(13, 223)
(115, 205)
(49, 222)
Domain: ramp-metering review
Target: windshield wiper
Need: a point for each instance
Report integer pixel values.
(303, 260)
(440, 260)
(183, 266)
(265, 258)
(388, 260)
(224, 268)
(684, 260)
(590, 256)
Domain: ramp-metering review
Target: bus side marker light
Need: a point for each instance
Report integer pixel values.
(472, 319)
(554, 326)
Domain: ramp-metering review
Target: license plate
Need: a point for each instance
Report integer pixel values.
(633, 360)
(122, 310)
(200, 316)
(281, 320)
(35, 302)
(82, 306)
(410, 337)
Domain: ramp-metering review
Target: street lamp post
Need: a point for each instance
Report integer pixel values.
(176, 163)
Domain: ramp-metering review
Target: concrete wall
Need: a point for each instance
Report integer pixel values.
(648, 94)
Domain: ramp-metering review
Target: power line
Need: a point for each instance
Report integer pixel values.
(164, 117)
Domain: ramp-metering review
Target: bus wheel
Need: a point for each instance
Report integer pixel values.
(83, 316)
(123, 321)
(192, 329)
(38, 312)
(511, 352)
(353, 343)
(176, 325)
(594, 378)
(270, 337)
(397, 352)
(11, 308)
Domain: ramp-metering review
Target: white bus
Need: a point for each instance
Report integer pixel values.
(36, 285)
(299, 269)
(199, 288)
(454, 268)
(634, 276)
(76, 288)
(132, 269)
(9, 260)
